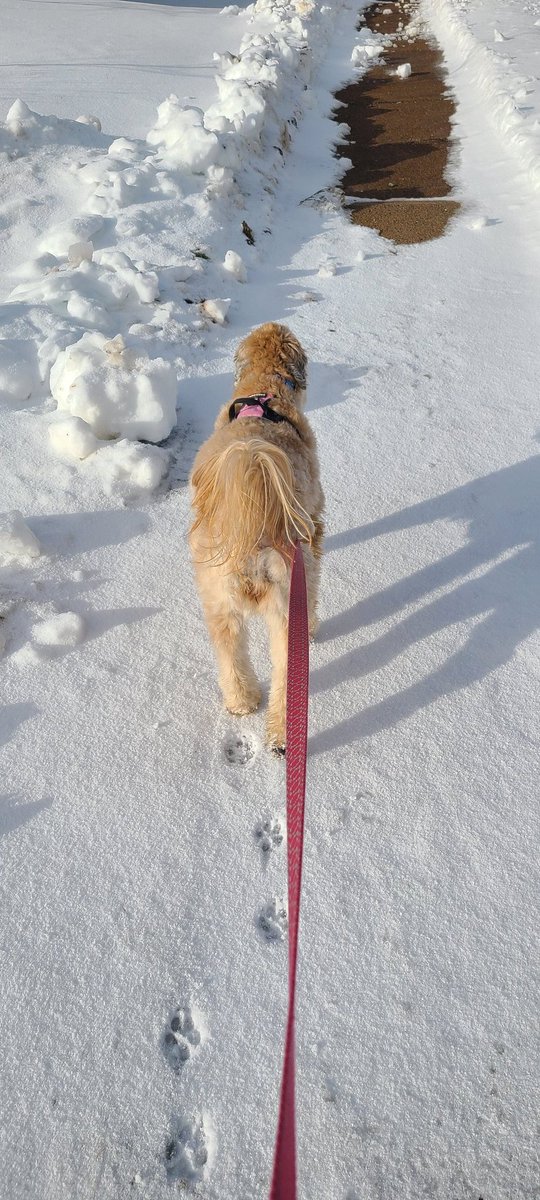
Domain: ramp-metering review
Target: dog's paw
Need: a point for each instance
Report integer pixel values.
(242, 703)
(275, 740)
(276, 733)
(313, 628)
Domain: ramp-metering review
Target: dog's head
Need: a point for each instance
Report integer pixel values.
(269, 354)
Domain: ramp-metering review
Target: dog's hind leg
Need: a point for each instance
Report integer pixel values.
(239, 686)
(312, 555)
(275, 611)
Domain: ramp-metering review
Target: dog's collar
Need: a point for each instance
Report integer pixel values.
(258, 406)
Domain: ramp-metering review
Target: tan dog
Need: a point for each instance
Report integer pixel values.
(256, 490)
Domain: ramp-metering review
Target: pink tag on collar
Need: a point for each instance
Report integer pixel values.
(250, 410)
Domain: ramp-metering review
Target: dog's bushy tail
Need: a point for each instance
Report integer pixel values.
(244, 498)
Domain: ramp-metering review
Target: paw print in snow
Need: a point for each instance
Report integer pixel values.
(268, 834)
(186, 1152)
(180, 1037)
(273, 921)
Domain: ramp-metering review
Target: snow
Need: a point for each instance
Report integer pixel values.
(16, 539)
(103, 61)
(235, 266)
(115, 391)
(63, 629)
(143, 829)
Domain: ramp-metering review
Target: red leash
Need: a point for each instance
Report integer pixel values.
(284, 1173)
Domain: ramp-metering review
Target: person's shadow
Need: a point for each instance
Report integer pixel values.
(503, 557)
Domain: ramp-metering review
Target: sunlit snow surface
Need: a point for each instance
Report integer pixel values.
(143, 833)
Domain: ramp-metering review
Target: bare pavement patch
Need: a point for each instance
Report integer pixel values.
(399, 114)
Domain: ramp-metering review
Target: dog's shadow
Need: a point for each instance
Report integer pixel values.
(493, 580)
(329, 385)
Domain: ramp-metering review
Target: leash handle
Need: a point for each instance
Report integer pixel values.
(284, 1172)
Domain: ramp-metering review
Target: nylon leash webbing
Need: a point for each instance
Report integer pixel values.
(284, 1172)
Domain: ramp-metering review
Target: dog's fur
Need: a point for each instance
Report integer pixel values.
(256, 489)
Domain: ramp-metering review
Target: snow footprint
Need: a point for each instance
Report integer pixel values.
(181, 1037)
(268, 834)
(187, 1152)
(272, 920)
(238, 749)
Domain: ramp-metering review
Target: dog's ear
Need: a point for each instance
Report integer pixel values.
(295, 358)
(241, 359)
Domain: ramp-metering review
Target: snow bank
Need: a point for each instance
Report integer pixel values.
(493, 76)
(197, 173)
(117, 392)
(16, 540)
(24, 129)
(258, 94)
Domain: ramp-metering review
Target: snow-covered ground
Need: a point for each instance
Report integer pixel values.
(133, 880)
(116, 59)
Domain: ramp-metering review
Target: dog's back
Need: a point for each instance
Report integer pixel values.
(256, 490)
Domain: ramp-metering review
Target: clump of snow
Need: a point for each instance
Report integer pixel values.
(182, 137)
(129, 469)
(62, 629)
(404, 70)
(235, 266)
(20, 119)
(142, 283)
(217, 310)
(116, 391)
(27, 129)
(73, 438)
(61, 238)
(16, 539)
(80, 252)
(478, 223)
(369, 45)
(89, 120)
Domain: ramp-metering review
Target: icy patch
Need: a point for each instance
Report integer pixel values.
(404, 71)
(116, 391)
(16, 540)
